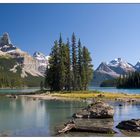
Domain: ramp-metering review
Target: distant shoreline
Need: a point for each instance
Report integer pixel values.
(77, 95)
(85, 96)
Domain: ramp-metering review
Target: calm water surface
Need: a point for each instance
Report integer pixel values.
(115, 90)
(28, 117)
(23, 90)
(103, 89)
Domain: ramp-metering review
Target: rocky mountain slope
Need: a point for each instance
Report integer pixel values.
(30, 65)
(23, 64)
(112, 70)
(42, 61)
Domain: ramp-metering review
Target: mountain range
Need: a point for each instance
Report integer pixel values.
(31, 69)
(113, 69)
(19, 61)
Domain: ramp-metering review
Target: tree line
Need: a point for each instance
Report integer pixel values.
(109, 83)
(132, 80)
(69, 66)
(9, 79)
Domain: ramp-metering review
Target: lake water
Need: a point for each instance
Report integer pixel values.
(103, 89)
(18, 91)
(28, 117)
(115, 90)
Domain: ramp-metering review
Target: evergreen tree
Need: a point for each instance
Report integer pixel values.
(53, 71)
(41, 85)
(79, 65)
(74, 62)
(132, 80)
(68, 70)
(62, 69)
(87, 67)
(46, 81)
(68, 66)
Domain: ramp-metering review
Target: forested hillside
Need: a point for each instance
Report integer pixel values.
(12, 78)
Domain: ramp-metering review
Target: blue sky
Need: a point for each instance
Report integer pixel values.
(108, 30)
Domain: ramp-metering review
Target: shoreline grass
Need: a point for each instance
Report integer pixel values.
(95, 94)
(79, 95)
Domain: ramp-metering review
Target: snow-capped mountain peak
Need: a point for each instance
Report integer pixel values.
(42, 60)
(119, 62)
(34, 66)
(113, 69)
(137, 66)
(39, 56)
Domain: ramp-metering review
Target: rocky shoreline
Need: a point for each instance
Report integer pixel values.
(126, 98)
(98, 109)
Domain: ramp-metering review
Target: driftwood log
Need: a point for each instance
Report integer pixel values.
(72, 127)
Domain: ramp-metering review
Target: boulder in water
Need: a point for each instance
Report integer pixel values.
(130, 125)
(97, 109)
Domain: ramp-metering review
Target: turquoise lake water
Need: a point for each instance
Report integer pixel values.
(27, 117)
(18, 91)
(103, 89)
(115, 90)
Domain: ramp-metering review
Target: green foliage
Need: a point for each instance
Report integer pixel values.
(132, 80)
(87, 72)
(32, 81)
(74, 63)
(109, 83)
(13, 79)
(8, 78)
(68, 70)
(53, 71)
(68, 67)
(41, 85)
(79, 65)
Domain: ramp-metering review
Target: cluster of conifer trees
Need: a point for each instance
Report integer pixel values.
(132, 80)
(7, 78)
(6, 82)
(69, 66)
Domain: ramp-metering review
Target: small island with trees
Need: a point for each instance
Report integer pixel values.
(70, 67)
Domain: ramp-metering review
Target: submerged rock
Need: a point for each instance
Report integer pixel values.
(120, 105)
(12, 96)
(130, 125)
(97, 109)
(73, 127)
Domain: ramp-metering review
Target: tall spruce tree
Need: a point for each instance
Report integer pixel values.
(68, 70)
(62, 67)
(46, 81)
(68, 66)
(74, 62)
(53, 76)
(79, 66)
(87, 68)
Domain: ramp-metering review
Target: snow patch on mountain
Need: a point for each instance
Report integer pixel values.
(137, 66)
(119, 63)
(43, 61)
(113, 69)
(14, 69)
(28, 64)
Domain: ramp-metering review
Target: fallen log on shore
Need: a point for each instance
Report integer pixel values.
(72, 127)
